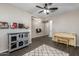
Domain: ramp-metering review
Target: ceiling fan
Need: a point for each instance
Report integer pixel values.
(45, 9)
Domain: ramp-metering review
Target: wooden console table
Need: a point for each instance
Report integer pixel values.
(66, 38)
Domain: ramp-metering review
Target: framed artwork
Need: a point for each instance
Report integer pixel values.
(4, 25)
(20, 25)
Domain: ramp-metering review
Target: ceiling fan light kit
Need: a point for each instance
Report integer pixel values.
(46, 11)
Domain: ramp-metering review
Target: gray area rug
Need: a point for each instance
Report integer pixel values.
(45, 50)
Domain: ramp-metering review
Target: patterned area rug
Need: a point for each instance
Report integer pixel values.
(46, 50)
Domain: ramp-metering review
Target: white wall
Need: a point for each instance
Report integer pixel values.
(37, 23)
(46, 28)
(11, 14)
(50, 28)
(67, 22)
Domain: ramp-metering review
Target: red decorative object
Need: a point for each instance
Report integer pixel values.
(14, 25)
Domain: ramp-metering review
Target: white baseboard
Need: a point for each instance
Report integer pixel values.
(3, 51)
(38, 36)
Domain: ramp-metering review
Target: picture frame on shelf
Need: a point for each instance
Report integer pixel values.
(20, 25)
(26, 27)
(4, 25)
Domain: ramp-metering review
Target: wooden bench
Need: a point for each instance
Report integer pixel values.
(66, 38)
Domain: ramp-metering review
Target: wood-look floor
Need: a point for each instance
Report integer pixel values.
(36, 42)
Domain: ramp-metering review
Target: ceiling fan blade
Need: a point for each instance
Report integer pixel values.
(39, 7)
(55, 8)
(45, 6)
(50, 3)
(41, 11)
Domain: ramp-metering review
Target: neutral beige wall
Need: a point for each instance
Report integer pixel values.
(67, 22)
(50, 28)
(11, 14)
(46, 30)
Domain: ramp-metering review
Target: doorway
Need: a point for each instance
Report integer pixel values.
(48, 28)
(37, 27)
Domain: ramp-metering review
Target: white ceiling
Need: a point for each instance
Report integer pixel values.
(31, 8)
